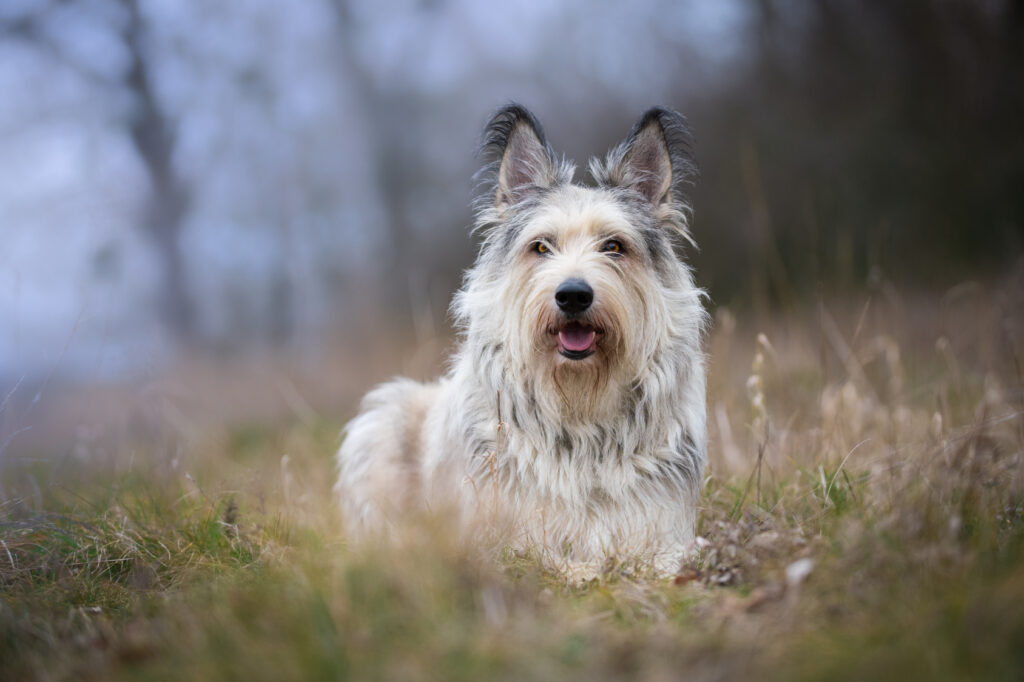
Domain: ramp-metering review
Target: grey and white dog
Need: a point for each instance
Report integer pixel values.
(573, 415)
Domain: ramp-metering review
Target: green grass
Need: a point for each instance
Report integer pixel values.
(232, 564)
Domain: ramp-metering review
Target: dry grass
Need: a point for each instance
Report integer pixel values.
(863, 519)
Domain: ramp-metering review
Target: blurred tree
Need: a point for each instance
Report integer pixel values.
(152, 134)
(390, 128)
(867, 135)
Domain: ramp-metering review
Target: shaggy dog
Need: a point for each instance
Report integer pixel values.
(573, 415)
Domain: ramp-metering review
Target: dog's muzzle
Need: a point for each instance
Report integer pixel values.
(576, 339)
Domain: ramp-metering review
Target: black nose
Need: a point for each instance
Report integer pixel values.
(574, 296)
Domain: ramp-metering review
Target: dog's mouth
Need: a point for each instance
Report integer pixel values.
(577, 340)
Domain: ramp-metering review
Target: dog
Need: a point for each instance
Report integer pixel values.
(573, 414)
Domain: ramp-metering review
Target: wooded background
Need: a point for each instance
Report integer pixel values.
(222, 177)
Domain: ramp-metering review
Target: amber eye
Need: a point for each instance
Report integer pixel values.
(540, 247)
(612, 246)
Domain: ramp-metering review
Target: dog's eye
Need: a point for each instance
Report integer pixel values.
(611, 246)
(541, 248)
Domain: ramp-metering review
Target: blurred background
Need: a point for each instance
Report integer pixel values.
(245, 209)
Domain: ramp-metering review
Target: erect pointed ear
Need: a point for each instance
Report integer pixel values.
(654, 159)
(522, 161)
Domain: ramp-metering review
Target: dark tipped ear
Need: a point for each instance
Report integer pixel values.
(521, 159)
(655, 158)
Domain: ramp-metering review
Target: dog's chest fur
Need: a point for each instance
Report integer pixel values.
(621, 485)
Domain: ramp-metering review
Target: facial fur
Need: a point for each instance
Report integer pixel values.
(617, 238)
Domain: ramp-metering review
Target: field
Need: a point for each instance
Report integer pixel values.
(863, 518)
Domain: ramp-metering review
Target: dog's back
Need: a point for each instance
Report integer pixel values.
(380, 460)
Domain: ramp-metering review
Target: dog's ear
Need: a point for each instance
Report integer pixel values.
(654, 159)
(522, 161)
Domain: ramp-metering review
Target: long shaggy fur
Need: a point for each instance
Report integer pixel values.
(575, 459)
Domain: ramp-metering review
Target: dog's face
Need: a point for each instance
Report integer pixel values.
(580, 280)
(580, 285)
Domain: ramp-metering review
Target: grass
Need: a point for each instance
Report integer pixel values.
(863, 518)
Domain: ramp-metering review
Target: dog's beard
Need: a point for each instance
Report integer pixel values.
(576, 362)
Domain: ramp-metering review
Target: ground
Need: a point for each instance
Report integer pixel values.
(863, 518)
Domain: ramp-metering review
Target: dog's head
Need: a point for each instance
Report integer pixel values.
(582, 283)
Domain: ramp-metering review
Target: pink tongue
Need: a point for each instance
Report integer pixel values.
(576, 337)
